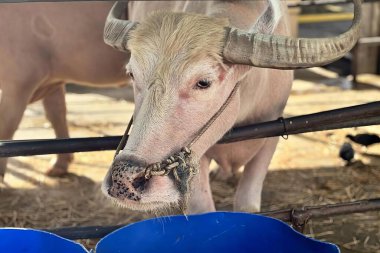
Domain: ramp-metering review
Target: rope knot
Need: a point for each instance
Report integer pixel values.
(171, 164)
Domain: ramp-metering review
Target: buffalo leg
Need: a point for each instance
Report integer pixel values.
(201, 198)
(248, 194)
(55, 110)
(13, 103)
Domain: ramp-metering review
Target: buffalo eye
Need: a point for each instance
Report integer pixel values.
(203, 84)
(130, 74)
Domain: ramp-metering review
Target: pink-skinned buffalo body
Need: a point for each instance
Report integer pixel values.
(42, 47)
(200, 68)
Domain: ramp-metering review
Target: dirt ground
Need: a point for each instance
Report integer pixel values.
(306, 169)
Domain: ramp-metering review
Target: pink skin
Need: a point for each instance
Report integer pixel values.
(163, 127)
(46, 46)
(162, 130)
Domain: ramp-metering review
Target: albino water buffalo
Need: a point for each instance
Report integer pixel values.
(197, 72)
(42, 47)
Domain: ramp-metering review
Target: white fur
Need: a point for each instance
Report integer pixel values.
(269, 19)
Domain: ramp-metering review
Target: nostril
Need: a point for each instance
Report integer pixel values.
(139, 183)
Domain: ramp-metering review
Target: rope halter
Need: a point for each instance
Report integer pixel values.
(179, 164)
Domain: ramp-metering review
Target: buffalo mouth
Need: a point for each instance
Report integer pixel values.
(139, 187)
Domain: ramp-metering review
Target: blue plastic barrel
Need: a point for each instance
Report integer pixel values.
(212, 232)
(20, 240)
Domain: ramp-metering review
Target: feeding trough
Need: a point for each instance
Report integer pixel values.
(211, 232)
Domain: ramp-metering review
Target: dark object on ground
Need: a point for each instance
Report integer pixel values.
(346, 152)
(364, 139)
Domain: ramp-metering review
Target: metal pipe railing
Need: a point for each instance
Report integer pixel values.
(353, 116)
(298, 217)
(304, 3)
(291, 5)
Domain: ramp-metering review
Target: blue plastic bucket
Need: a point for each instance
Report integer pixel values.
(19, 240)
(212, 232)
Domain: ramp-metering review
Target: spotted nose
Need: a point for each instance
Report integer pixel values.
(127, 180)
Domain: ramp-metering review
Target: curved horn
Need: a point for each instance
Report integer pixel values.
(116, 29)
(282, 52)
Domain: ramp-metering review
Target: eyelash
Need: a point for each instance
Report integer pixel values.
(203, 84)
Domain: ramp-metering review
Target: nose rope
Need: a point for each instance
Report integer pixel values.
(172, 164)
(215, 116)
(178, 163)
(124, 139)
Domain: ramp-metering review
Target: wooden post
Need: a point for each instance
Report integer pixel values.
(368, 56)
(293, 17)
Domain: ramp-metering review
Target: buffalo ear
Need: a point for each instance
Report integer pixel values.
(223, 71)
(233, 72)
(268, 20)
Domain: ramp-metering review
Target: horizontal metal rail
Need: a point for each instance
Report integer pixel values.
(291, 5)
(297, 216)
(304, 3)
(353, 116)
(369, 41)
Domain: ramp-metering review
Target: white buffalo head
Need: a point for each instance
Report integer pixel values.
(184, 68)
